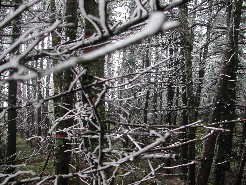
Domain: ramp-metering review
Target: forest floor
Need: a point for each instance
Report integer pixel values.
(36, 162)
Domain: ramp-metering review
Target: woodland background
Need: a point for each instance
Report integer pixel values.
(122, 92)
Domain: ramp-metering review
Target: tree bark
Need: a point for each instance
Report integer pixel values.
(12, 100)
(202, 62)
(12, 115)
(170, 89)
(186, 40)
(184, 136)
(224, 102)
(229, 81)
(95, 69)
(62, 83)
(241, 166)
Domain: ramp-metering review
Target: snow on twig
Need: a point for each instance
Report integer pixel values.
(11, 176)
(155, 23)
(147, 148)
(17, 12)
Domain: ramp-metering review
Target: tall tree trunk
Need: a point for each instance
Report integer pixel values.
(12, 115)
(40, 94)
(170, 98)
(12, 100)
(145, 111)
(189, 99)
(231, 66)
(243, 138)
(184, 136)
(170, 89)
(224, 102)
(46, 115)
(203, 58)
(176, 103)
(96, 68)
(62, 83)
(39, 109)
(146, 63)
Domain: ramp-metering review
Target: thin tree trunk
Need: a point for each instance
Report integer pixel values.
(146, 105)
(241, 166)
(243, 138)
(39, 111)
(170, 90)
(184, 137)
(170, 98)
(175, 113)
(189, 99)
(39, 97)
(146, 63)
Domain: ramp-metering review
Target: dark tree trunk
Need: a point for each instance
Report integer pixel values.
(146, 105)
(175, 113)
(170, 98)
(12, 115)
(228, 91)
(184, 136)
(62, 83)
(243, 138)
(186, 40)
(241, 167)
(224, 103)
(12, 100)
(206, 161)
(95, 68)
(146, 63)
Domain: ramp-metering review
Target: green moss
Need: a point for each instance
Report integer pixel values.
(32, 162)
(22, 148)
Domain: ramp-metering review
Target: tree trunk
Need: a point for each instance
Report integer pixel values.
(40, 95)
(231, 66)
(170, 90)
(186, 40)
(241, 166)
(12, 115)
(12, 100)
(95, 68)
(62, 83)
(146, 105)
(184, 136)
(170, 98)
(203, 58)
(243, 138)
(224, 102)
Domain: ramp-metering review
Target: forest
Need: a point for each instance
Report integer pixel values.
(122, 92)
